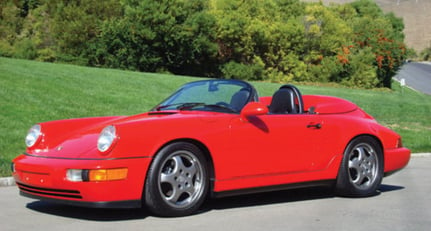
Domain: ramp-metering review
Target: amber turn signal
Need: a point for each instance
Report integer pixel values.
(107, 174)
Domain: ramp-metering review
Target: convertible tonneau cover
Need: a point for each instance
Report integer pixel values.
(321, 104)
(328, 104)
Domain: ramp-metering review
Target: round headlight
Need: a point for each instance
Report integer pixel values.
(33, 135)
(106, 138)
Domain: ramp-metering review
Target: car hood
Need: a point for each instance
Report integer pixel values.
(77, 138)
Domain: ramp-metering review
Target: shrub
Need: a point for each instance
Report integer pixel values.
(25, 49)
(6, 49)
(362, 72)
(426, 54)
(235, 70)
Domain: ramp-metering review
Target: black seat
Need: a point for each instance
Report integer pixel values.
(283, 102)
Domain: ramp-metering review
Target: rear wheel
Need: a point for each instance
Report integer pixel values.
(177, 181)
(361, 170)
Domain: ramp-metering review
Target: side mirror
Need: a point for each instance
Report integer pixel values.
(254, 109)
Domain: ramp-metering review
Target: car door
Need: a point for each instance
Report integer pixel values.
(279, 145)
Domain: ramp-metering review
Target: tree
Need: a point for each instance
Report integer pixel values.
(174, 36)
(383, 35)
(354, 44)
(325, 34)
(262, 36)
(75, 26)
(10, 25)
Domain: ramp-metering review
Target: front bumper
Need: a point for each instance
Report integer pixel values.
(45, 179)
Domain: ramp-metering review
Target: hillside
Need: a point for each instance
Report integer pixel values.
(416, 18)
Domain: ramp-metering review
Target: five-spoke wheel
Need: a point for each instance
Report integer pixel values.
(177, 181)
(361, 170)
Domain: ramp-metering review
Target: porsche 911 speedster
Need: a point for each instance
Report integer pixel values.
(210, 138)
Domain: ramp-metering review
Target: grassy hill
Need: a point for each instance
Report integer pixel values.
(415, 14)
(32, 92)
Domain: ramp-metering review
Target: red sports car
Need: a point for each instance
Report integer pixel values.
(210, 138)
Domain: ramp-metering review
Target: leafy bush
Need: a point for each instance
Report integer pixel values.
(276, 40)
(25, 49)
(6, 50)
(426, 54)
(234, 70)
(362, 72)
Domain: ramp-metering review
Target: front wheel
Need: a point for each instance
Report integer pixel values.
(361, 170)
(177, 180)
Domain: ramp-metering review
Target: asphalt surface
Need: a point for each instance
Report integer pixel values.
(416, 76)
(403, 204)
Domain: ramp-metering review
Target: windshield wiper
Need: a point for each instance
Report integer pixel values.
(189, 106)
(179, 106)
(186, 106)
(220, 107)
(217, 106)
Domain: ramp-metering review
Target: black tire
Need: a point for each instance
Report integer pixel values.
(177, 180)
(361, 170)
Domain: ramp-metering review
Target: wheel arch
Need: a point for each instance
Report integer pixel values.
(344, 185)
(358, 136)
(205, 151)
(379, 142)
(371, 136)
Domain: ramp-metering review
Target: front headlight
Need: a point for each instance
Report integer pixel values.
(106, 139)
(33, 135)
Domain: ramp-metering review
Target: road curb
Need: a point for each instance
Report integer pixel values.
(9, 181)
(421, 155)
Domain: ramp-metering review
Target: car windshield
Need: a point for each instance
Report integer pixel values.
(228, 96)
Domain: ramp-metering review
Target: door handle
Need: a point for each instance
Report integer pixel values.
(316, 126)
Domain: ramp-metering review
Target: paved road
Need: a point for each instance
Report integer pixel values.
(417, 76)
(403, 204)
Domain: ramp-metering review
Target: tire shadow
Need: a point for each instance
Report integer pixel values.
(384, 188)
(249, 200)
(285, 196)
(268, 198)
(93, 214)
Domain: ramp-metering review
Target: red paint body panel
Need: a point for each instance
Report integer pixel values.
(245, 151)
(50, 174)
(396, 159)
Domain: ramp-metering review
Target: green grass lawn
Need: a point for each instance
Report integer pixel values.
(32, 92)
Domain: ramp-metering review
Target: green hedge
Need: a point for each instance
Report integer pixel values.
(354, 44)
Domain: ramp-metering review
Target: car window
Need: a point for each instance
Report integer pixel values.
(210, 95)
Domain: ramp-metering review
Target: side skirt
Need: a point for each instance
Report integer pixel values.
(321, 183)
